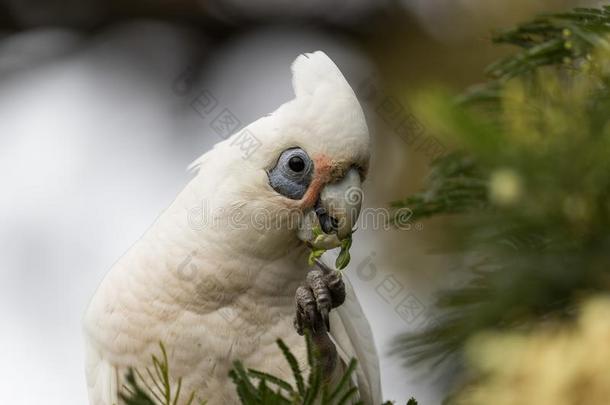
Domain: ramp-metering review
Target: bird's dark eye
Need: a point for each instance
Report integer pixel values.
(292, 173)
(296, 164)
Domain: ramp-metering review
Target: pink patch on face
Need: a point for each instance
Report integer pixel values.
(321, 176)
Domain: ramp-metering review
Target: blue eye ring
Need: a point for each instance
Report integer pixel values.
(292, 173)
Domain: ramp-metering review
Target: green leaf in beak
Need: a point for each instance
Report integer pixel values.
(344, 256)
(315, 254)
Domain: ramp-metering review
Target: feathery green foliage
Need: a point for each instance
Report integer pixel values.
(256, 387)
(160, 392)
(253, 387)
(566, 39)
(135, 395)
(454, 185)
(530, 183)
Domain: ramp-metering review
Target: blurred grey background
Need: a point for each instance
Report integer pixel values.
(97, 128)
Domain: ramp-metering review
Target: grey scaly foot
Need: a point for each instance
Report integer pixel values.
(323, 290)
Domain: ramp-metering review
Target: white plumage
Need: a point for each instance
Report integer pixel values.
(212, 287)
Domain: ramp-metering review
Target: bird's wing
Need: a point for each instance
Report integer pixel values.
(353, 337)
(119, 330)
(102, 378)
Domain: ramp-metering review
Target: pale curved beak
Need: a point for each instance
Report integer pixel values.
(339, 205)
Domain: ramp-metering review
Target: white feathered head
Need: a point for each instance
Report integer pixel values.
(296, 169)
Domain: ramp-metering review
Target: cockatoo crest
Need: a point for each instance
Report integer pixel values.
(324, 119)
(325, 113)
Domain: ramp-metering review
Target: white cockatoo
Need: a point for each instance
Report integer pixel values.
(223, 271)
